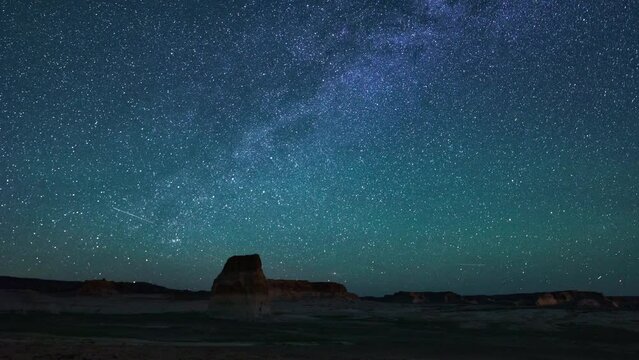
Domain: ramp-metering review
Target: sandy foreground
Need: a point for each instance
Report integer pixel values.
(168, 329)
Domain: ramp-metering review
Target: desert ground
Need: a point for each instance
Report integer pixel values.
(35, 326)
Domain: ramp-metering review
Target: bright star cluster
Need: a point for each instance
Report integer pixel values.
(473, 146)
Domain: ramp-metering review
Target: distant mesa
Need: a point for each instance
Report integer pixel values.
(579, 299)
(98, 288)
(291, 290)
(412, 297)
(569, 298)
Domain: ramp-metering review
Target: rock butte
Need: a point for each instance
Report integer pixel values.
(569, 298)
(242, 289)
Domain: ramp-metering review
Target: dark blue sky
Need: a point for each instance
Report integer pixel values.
(480, 147)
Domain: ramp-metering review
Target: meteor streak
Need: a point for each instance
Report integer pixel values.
(473, 265)
(135, 216)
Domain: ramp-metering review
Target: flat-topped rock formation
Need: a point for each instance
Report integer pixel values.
(290, 290)
(421, 297)
(39, 285)
(580, 299)
(626, 302)
(241, 289)
(98, 288)
(569, 298)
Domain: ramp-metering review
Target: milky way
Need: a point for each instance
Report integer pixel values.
(479, 147)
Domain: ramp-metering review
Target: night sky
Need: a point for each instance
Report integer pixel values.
(473, 146)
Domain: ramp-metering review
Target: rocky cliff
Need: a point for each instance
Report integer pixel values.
(423, 297)
(568, 298)
(289, 290)
(241, 289)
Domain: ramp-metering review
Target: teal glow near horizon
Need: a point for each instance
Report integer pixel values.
(422, 145)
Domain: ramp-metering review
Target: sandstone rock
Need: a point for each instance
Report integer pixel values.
(39, 285)
(288, 290)
(422, 297)
(566, 297)
(588, 304)
(98, 288)
(625, 302)
(546, 299)
(583, 299)
(241, 289)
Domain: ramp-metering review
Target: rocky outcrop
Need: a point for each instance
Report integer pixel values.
(578, 299)
(546, 299)
(241, 289)
(94, 287)
(626, 302)
(289, 290)
(569, 299)
(98, 288)
(39, 285)
(421, 297)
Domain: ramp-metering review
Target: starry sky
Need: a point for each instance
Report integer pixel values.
(473, 146)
